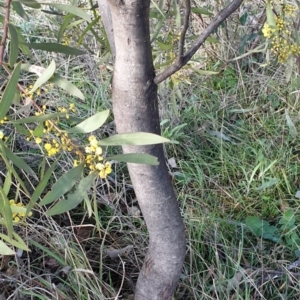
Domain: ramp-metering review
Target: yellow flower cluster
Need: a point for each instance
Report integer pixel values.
(281, 40)
(3, 120)
(2, 136)
(67, 110)
(65, 40)
(18, 216)
(94, 159)
(62, 141)
(27, 92)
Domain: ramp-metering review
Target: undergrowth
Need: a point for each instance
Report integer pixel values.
(234, 164)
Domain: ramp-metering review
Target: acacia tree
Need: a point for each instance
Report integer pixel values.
(135, 108)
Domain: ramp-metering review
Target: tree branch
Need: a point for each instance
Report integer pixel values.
(182, 60)
(5, 29)
(185, 27)
(105, 13)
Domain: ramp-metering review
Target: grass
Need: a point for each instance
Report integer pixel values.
(237, 156)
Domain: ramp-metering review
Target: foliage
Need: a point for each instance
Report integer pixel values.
(236, 157)
(51, 129)
(285, 233)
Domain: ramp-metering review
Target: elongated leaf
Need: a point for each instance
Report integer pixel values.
(73, 10)
(54, 47)
(164, 46)
(89, 27)
(201, 11)
(40, 188)
(20, 10)
(31, 3)
(47, 74)
(13, 171)
(9, 92)
(291, 125)
(270, 15)
(91, 124)
(39, 130)
(67, 86)
(7, 183)
(14, 44)
(16, 160)
(23, 47)
(136, 158)
(22, 244)
(14, 242)
(37, 118)
(63, 185)
(75, 198)
(64, 25)
(49, 252)
(134, 138)
(205, 72)
(5, 250)
(267, 184)
(56, 79)
(5, 211)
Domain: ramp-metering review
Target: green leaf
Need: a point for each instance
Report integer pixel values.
(20, 10)
(136, 158)
(270, 15)
(89, 27)
(91, 124)
(73, 10)
(30, 3)
(23, 47)
(17, 161)
(164, 46)
(9, 92)
(18, 244)
(63, 184)
(57, 80)
(7, 183)
(22, 244)
(47, 74)
(205, 72)
(13, 51)
(5, 250)
(54, 47)
(40, 188)
(67, 86)
(201, 11)
(212, 40)
(39, 130)
(21, 129)
(49, 252)
(243, 18)
(13, 172)
(37, 118)
(292, 128)
(5, 211)
(288, 220)
(75, 198)
(134, 138)
(64, 25)
(267, 184)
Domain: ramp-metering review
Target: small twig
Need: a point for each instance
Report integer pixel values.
(5, 29)
(182, 61)
(185, 27)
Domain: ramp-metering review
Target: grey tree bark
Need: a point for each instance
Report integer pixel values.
(135, 107)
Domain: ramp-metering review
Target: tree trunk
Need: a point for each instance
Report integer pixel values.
(135, 107)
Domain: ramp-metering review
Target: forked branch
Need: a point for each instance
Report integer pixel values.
(185, 27)
(183, 59)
